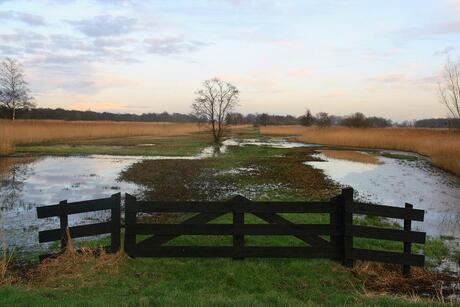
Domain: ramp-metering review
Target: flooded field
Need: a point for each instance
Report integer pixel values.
(30, 182)
(394, 182)
(26, 183)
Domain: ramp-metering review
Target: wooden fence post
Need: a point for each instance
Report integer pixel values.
(407, 245)
(64, 223)
(238, 220)
(130, 224)
(115, 216)
(336, 221)
(347, 201)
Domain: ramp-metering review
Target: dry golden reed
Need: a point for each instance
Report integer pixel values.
(35, 131)
(441, 145)
(387, 279)
(352, 155)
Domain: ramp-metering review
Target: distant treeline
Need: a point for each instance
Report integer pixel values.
(262, 119)
(437, 123)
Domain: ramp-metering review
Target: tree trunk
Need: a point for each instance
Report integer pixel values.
(14, 113)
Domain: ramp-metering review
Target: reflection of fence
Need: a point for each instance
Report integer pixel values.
(332, 240)
(64, 209)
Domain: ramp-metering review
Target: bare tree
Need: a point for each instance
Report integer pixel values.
(307, 119)
(323, 120)
(14, 92)
(215, 101)
(449, 88)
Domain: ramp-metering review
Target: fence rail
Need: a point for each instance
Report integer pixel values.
(332, 240)
(64, 209)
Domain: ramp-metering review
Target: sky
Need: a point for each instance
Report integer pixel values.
(382, 58)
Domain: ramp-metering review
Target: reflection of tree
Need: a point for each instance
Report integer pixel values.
(12, 176)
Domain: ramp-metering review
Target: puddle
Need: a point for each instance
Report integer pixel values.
(270, 142)
(396, 181)
(27, 183)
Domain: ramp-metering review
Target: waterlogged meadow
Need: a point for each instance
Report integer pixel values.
(442, 146)
(259, 167)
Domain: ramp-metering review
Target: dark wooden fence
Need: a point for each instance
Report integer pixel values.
(333, 240)
(340, 230)
(64, 209)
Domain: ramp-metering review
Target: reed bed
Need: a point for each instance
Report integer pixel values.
(350, 155)
(441, 145)
(38, 131)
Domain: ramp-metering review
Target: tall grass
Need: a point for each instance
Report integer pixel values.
(441, 145)
(36, 131)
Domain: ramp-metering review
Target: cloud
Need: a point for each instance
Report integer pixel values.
(301, 73)
(446, 28)
(105, 25)
(172, 45)
(390, 78)
(404, 80)
(30, 19)
(445, 51)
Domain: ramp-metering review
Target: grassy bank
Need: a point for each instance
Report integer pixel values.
(20, 132)
(442, 146)
(198, 282)
(127, 146)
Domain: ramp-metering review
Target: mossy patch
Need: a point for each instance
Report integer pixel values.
(261, 173)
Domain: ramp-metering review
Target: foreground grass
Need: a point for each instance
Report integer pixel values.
(203, 282)
(206, 282)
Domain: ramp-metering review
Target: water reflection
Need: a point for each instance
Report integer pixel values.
(28, 183)
(396, 181)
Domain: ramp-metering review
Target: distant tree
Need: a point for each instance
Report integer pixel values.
(379, 122)
(307, 119)
(263, 119)
(356, 120)
(215, 101)
(235, 119)
(449, 88)
(250, 118)
(323, 119)
(437, 123)
(14, 92)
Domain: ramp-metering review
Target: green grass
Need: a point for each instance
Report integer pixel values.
(219, 282)
(209, 282)
(132, 146)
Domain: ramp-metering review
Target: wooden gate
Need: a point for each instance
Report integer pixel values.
(238, 207)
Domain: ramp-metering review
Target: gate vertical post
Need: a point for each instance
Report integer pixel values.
(130, 224)
(336, 222)
(115, 217)
(407, 245)
(347, 202)
(238, 221)
(64, 223)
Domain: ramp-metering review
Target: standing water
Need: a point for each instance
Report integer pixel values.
(27, 183)
(395, 182)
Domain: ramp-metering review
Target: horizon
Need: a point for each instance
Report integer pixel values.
(382, 58)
